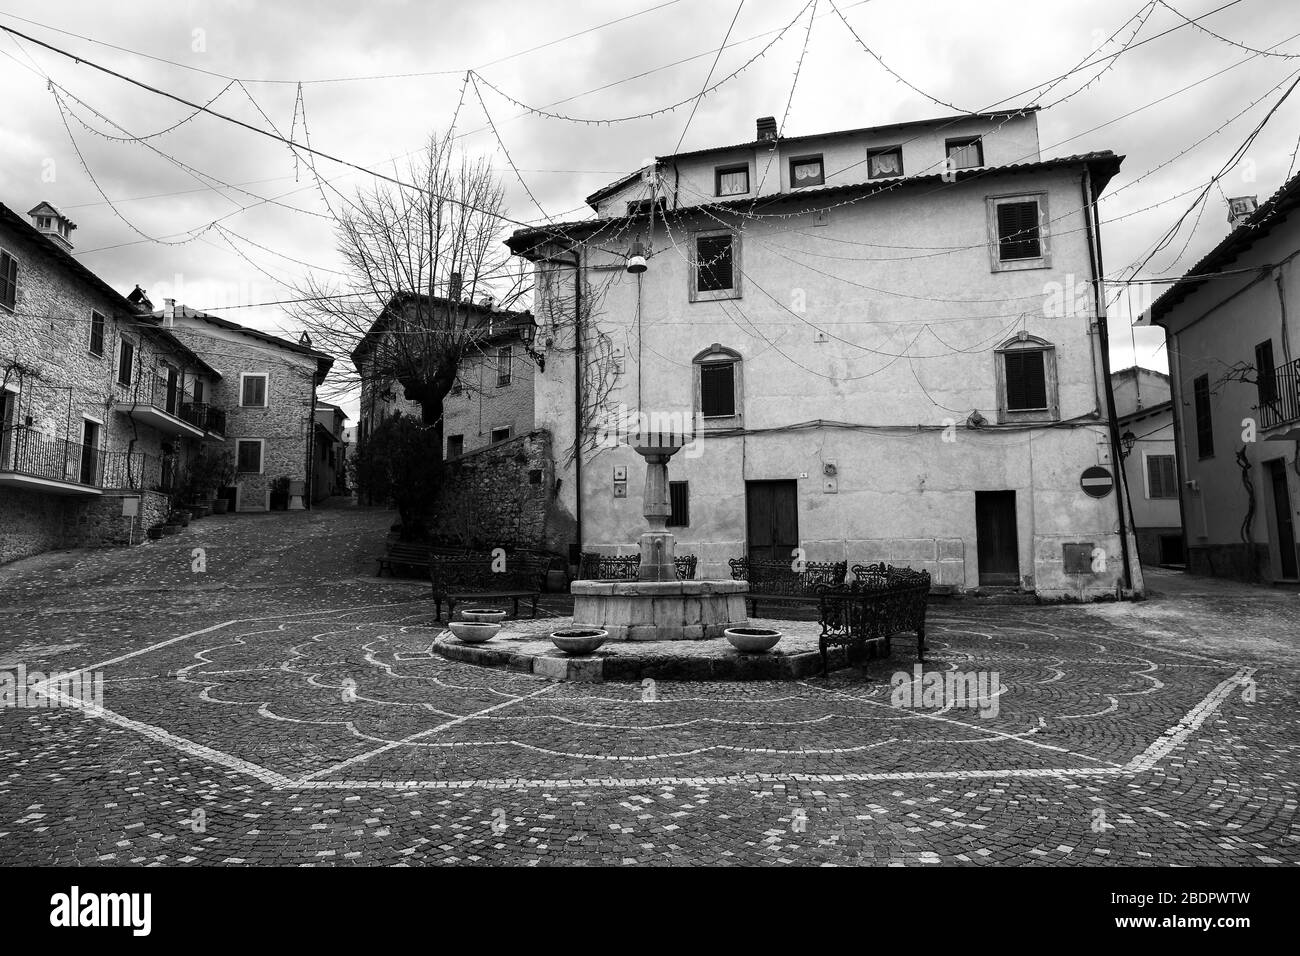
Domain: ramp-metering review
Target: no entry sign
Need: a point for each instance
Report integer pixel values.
(1096, 481)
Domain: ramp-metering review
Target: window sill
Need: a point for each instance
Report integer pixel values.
(721, 422)
(716, 296)
(1022, 265)
(1046, 415)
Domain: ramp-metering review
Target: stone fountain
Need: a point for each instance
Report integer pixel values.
(657, 606)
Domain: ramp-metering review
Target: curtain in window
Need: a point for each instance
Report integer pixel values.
(733, 183)
(886, 164)
(965, 157)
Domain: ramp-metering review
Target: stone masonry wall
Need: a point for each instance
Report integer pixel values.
(29, 523)
(504, 495)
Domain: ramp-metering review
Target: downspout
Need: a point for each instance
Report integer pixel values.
(1093, 229)
(577, 397)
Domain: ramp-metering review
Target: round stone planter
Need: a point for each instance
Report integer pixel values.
(579, 640)
(752, 640)
(474, 632)
(483, 615)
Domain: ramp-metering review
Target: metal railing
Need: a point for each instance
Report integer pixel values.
(168, 397)
(25, 451)
(1279, 399)
(208, 417)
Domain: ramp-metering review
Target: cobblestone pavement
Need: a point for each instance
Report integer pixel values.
(281, 706)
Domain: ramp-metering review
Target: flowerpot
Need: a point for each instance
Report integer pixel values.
(155, 532)
(220, 506)
(579, 640)
(474, 632)
(171, 528)
(483, 615)
(752, 640)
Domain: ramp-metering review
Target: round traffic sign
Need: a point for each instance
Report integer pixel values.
(1096, 481)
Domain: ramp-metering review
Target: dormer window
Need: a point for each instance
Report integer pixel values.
(965, 153)
(732, 180)
(885, 162)
(807, 171)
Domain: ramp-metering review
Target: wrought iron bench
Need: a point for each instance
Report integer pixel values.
(457, 578)
(777, 582)
(412, 554)
(864, 614)
(625, 567)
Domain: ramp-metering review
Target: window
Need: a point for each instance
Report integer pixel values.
(1161, 478)
(125, 359)
(198, 391)
(644, 207)
(8, 281)
(1204, 420)
(887, 161)
(1026, 374)
(731, 180)
(1265, 372)
(96, 334)
(718, 390)
(679, 501)
(455, 446)
(503, 366)
(252, 390)
(248, 456)
(715, 266)
(1018, 231)
(807, 171)
(966, 153)
(500, 434)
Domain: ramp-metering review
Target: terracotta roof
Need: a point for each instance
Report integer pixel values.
(1104, 164)
(1260, 223)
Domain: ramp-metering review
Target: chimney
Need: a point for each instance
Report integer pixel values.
(140, 299)
(453, 287)
(169, 312)
(1241, 208)
(52, 224)
(767, 129)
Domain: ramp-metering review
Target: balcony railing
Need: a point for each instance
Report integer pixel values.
(1279, 399)
(25, 451)
(166, 396)
(208, 417)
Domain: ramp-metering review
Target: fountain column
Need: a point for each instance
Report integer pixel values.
(658, 550)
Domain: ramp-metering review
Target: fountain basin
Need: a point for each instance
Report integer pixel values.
(660, 610)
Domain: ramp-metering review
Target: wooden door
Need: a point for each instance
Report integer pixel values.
(1283, 519)
(997, 543)
(772, 519)
(89, 453)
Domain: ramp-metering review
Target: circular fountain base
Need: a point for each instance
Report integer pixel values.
(660, 610)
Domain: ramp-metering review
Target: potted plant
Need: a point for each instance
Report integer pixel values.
(280, 493)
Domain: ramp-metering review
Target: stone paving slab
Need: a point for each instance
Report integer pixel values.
(288, 710)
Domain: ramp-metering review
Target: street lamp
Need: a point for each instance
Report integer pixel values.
(527, 335)
(636, 259)
(1127, 441)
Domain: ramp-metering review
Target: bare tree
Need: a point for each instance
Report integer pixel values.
(417, 260)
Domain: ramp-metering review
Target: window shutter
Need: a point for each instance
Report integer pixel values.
(678, 499)
(713, 263)
(717, 389)
(1018, 230)
(1265, 372)
(1161, 479)
(1026, 380)
(96, 333)
(1204, 421)
(8, 280)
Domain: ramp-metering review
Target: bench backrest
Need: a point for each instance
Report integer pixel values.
(778, 578)
(626, 567)
(475, 573)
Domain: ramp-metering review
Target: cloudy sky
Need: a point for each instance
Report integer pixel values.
(376, 77)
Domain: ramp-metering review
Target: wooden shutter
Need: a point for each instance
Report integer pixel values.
(717, 389)
(679, 500)
(713, 263)
(1204, 421)
(1018, 230)
(126, 358)
(8, 280)
(1265, 372)
(1161, 480)
(1026, 380)
(96, 333)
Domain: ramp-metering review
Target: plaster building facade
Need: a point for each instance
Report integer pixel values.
(1144, 408)
(1235, 372)
(888, 340)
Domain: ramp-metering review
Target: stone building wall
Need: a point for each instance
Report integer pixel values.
(505, 496)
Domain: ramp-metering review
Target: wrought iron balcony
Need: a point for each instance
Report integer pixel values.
(160, 402)
(208, 417)
(36, 461)
(1279, 396)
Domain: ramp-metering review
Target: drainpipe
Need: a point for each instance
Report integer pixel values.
(577, 397)
(1117, 461)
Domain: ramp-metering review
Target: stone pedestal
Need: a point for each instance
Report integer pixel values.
(659, 610)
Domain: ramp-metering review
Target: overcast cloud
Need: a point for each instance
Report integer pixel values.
(971, 54)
